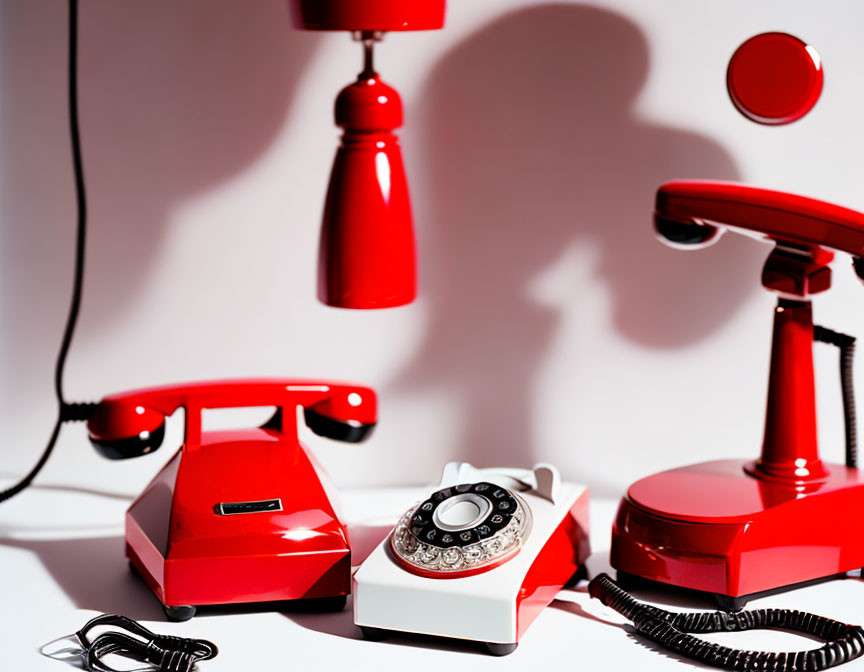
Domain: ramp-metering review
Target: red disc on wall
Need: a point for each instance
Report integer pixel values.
(774, 78)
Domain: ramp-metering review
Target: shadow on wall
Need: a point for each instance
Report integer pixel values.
(174, 98)
(532, 144)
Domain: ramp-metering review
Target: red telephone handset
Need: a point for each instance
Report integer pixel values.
(694, 213)
(130, 424)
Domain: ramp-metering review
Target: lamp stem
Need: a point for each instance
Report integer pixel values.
(368, 57)
(368, 38)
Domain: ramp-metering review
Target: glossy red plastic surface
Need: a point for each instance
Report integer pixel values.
(790, 450)
(368, 15)
(774, 78)
(367, 252)
(737, 528)
(563, 554)
(119, 415)
(798, 273)
(715, 528)
(780, 216)
(189, 553)
(120, 418)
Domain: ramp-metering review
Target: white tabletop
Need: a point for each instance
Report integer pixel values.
(61, 551)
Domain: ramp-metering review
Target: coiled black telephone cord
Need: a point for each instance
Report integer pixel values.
(671, 631)
(846, 344)
(844, 642)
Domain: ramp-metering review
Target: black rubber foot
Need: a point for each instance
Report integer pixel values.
(729, 603)
(331, 603)
(374, 634)
(181, 613)
(500, 649)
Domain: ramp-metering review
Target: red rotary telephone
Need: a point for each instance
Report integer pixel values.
(736, 528)
(239, 515)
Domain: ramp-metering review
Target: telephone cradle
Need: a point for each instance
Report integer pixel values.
(237, 516)
(738, 528)
(479, 559)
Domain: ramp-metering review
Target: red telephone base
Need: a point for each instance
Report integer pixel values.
(712, 527)
(191, 553)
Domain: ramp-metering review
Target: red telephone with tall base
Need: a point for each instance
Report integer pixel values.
(239, 515)
(736, 528)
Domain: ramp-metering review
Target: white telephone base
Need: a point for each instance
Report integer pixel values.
(494, 604)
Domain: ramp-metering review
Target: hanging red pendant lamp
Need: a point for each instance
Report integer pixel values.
(367, 255)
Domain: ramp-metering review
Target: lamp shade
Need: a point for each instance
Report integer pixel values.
(372, 15)
(367, 255)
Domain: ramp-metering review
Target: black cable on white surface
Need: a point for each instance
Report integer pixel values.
(131, 640)
(672, 630)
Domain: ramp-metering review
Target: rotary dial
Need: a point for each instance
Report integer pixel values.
(462, 529)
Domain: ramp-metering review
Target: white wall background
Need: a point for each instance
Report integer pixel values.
(551, 326)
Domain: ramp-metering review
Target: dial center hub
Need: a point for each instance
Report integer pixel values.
(461, 512)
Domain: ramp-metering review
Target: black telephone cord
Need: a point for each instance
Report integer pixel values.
(846, 344)
(671, 631)
(165, 653)
(67, 412)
